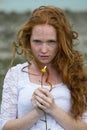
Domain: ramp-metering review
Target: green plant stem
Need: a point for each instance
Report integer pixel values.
(42, 80)
(45, 120)
(42, 87)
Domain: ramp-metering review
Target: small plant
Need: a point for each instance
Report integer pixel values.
(44, 70)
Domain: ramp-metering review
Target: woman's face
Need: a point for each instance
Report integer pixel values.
(44, 43)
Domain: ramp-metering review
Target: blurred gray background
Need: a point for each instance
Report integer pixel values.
(14, 13)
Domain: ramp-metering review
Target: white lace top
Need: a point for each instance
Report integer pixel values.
(16, 99)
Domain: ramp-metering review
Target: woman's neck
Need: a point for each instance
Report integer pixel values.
(34, 71)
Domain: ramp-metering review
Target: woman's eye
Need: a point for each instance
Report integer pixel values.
(51, 42)
(37, 42)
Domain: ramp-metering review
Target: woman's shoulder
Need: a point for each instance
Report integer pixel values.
(19, 66)
(16, 70)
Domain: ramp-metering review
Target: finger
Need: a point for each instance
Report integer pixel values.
(45, 91)
(39, 105)
(39, 93)
(43, 94)
(42, 101)
(33, 102)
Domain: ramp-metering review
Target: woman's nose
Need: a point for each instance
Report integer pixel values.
(44, 48)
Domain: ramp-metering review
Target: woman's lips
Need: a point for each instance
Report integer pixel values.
(44, 57)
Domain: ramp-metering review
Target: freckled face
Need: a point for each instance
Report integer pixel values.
(44, 43)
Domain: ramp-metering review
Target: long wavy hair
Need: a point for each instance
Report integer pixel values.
(68, 61)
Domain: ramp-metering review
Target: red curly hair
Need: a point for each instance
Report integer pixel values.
(68, 62)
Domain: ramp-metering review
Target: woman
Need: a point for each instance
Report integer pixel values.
(49, 91)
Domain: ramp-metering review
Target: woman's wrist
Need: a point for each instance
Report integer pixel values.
(53, 111)
(39, 112)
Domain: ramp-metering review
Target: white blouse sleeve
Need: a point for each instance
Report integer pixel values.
(9, 96)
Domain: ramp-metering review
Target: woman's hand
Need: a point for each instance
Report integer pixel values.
(43, 99)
